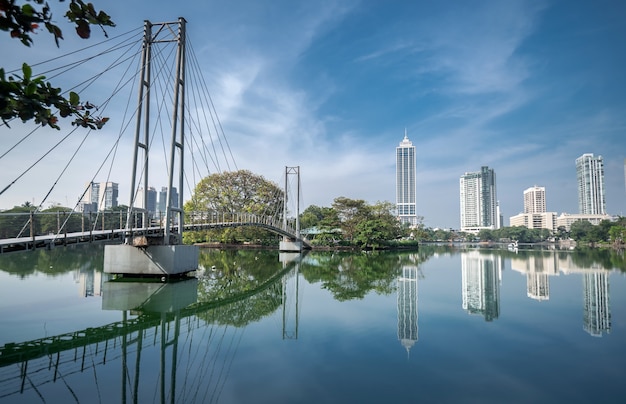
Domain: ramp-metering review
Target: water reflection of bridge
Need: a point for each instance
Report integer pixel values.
(156, 317)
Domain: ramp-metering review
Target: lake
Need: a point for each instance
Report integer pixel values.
(445, 324)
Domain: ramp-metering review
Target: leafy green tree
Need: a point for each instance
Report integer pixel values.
(378, 227)
(582, 230)
(234, 192)
(12, 221)
(486, 235)
(27, 97)
(59, 219)
(350, 213)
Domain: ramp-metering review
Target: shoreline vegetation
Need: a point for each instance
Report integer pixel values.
(252, 246)
(414, 246)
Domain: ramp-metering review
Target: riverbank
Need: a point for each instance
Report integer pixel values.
(249, 246)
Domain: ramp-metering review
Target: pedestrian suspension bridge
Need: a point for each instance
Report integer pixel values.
(176, 136)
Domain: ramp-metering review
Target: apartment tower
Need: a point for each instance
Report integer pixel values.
(479, 202)
(406, 188)
(535, 200)
(591, 192)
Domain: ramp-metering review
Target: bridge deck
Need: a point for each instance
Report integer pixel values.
(118, 235)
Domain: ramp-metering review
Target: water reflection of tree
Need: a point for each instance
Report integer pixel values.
(351, 276)
(236, 273)
(603, 257)
(53, 262)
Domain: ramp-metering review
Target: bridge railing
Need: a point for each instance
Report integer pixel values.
(33, 224)
(243, 218)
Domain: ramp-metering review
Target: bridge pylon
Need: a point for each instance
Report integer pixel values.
(161, 254)
(291, 244)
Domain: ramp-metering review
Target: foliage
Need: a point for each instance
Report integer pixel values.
(360, 224)
(29, 98)
(234, 192)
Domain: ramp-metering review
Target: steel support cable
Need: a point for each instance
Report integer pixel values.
(75, 64)
(197, 69)
(124, 126)
(195, 123)
(19, 142)
(120, 85)
(213, 110)
(95, 77)
(37, 162)
(55, 183)
(156, 55)
(159, 81)
(166, 90)
(205, 149)
(80, 50)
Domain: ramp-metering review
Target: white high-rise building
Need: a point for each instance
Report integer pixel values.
(406, 184)
(591, 192)
(535, 200)
(479, 206)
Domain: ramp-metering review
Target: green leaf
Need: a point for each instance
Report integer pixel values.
(74, 98)
(30, 88)
(28, 10)
(27, 72)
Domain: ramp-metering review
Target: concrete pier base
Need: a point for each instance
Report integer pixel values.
(154, 260)
(290, 246)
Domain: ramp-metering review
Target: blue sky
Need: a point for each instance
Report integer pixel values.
(524, 87)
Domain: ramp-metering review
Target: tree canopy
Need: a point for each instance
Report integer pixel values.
(233, 192)
(32, 98)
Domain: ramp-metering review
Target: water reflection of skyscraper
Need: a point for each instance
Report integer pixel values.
(596, 307)
(407, 307)
(537, 270)
(480, 276)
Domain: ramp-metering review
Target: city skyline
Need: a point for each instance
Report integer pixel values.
(524, 87)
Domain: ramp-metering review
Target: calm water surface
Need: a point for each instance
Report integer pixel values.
(441, 325)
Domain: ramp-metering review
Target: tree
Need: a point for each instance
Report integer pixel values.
(378, 227)
(235, 192)
(350, 213)
(27, 97)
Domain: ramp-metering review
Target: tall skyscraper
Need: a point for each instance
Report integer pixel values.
(151, 201)
(479, 207)
(100, 196)
(591, 192)
(406, 188)
(535, 200)
(108, 195)
(162, 205)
